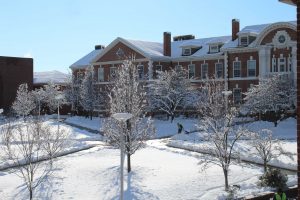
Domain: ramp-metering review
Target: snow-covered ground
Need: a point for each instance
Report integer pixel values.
(158, 173)
(286, 131)
(164, 128)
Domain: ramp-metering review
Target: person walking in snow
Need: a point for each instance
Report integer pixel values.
(180, 127)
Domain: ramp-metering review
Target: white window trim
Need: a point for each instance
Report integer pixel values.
(213, 51)
(184, 51)
(217, 71)
(233, 69)
(248, 68)
(193, 77)
(206, 64)
(102, 73)
(284, 63)
(234, 95)
(160, 66)
(143, 74)
(111, 69)
(240, 40)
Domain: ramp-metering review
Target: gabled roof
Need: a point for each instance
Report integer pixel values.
(148, 49)
(50, 76)
(86, 60)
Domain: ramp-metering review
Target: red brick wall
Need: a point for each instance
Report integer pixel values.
(269, 37)
(111, 54)
(13, 72)
(243, 57)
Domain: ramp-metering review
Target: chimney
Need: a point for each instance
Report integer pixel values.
(235, 28)
(99, 46)
(167, 44)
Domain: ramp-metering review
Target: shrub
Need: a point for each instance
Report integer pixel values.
(273, 178)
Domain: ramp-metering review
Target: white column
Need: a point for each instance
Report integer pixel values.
(264, 55)
(150, 69)
(294, 64)
(226, 70)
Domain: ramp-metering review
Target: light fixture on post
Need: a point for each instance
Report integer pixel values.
(122, 117)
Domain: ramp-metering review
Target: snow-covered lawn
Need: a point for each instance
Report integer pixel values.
(164, 128)
(286, 130)
(77, 139)
(158, 173)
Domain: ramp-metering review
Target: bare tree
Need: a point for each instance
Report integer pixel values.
(38, 96)
(51, 92)
(170, 91)
(267, 147)
(128, 96)
(26, 145)
(217, 122)
(273, 94)
(24, 102)
(72, 93)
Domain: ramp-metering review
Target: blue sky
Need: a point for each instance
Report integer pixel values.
(57, 33)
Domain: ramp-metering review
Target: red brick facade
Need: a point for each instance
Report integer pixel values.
(13, 72)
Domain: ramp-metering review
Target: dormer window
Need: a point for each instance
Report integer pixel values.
(244, 41)
(213, 48)
(186, 51)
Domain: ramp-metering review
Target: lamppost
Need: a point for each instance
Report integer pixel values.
(226, 93)
(122, 117)
(59, 97)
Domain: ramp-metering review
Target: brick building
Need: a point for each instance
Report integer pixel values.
(240, 59)
(13, 72)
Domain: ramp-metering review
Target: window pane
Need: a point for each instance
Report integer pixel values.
(251, 68)
(112, 72)
(237, 69)
(204, 71)
(191, 71)
(100, 74)
(237, 96)
(219, 70)
(141, 71)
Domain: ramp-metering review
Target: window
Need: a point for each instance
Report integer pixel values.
(178, 67)
(141, 71)
(112, 72)
(191, 71)
(274, 65)
(251, 65)
(281, 63)
(100, 74)
(236, 69)
(244, 41)
(213, 48)
(237, 95)
(80, 75)
(158, 68)
(219, 70)
(204, 71)
(186, 51)
(290, 64)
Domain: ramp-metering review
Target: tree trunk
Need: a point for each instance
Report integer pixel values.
(172, 118)
(225, 171)
(265, 165)
(30, 194)
(128, 163)
(91, 115)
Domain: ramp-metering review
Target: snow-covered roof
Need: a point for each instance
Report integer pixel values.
(204, 43)
(50, 76)
(152, 49)
(85, 61)
(254, 29)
